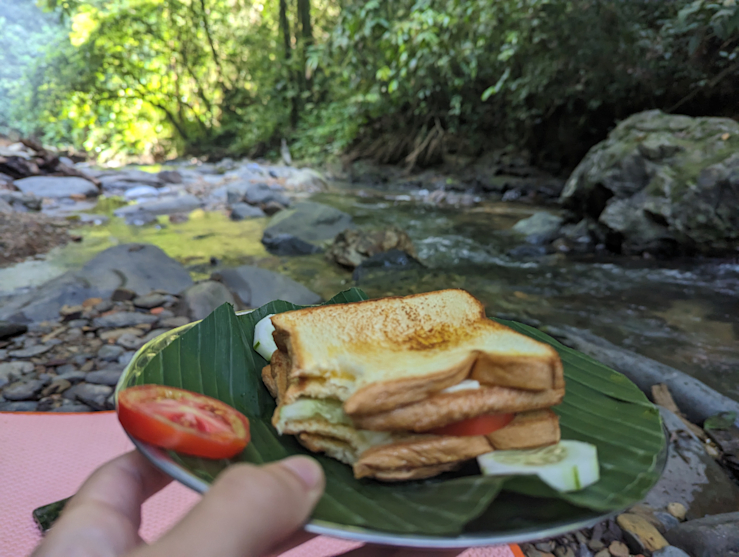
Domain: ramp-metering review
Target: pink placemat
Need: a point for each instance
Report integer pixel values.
(46, 457)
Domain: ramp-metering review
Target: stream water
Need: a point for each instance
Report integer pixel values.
(682, 313)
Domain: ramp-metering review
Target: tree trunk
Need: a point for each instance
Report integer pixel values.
(285, 28)
(304, 11)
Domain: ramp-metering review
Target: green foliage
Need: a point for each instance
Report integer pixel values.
(165, 76)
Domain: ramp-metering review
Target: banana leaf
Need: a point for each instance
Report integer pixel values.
(601, 406)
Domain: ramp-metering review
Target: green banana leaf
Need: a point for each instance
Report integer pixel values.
(601, 406)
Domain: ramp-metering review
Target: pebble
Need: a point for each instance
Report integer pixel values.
(670, 551)
(73, 377)
(667, 520)
(79, 323)
(150, 301)
(79, 360)
(23, 390)
(583, 551)
(105, 305)
(677, 510)
(25, 406)
(153, 334)
(3, 354)
(563, 551)
(172, 322)
(56, 387)
(130, 342)
(115, 334)
(93, 395)
(104, 377)
(602, 553)
(110, 402)
(88, 365)
(110, 352)
(15, 369)
(641, 529)
(66, 368)
(123, 319)
(76, 407)
(126, 358)
(123, 295)
(596, 545)
(618, 549)
(545, 546)
(30, 352)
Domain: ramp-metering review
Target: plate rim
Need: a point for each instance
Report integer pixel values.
(164, 462)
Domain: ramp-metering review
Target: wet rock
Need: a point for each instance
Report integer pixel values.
(92, 395)
(9, 330)
(539, 228)
(709, 536)
(691, 477)
(255, 194)
(255, 287)
(618, 549)
(151, 300)
(647, 535)
(308, 222)
(124, 179)
(11, 371)
(141, 191)
(384, 263)
(123, 319)
(528, 252)
(201, 299)
(21, 406)
(104, 377)
(110, 352)
(166, 205)
(644, 185)
(75, 407)
(23, 390)
(115, 334)
(241, 211)
(57, 386)
(137, 267)
(126, 358)
(306, 180)
(130, 341)
(56, 186)
(170, 177)
(352, 247)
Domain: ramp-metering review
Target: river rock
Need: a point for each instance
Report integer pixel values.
(104, 377)
(256, 194)
(125, 179)
(308, 222)
(662, 183)
(5, 207)
(123, 319)
(141, 191)
(20, 201)
(387, 264)
(539, 228)
(56, 186)
(241, 211)
(8, 330)
(709, 536)
(109, 352)
(23, 390)
(92, 395)
(201, 299)
(306, 180)
(170, 177)
(155, 299)
(31, 351)
(167, 205)
(140, 268)
(20, 406)
(255, 287)
(352, 247)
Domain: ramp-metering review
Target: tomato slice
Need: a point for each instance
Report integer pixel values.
(183, 421)
(479, 425)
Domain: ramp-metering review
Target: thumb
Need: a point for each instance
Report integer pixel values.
(248, 510)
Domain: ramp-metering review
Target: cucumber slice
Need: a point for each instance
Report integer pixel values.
(264, 344)
(566, 466)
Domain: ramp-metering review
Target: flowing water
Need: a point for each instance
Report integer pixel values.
(682, 313)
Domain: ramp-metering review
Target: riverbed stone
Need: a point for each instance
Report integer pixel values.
(128, 178)
(5, 207)
(662, 183)
(57, 186)
(140, 268)
(104, 377)
(255, 287)
(309, 222)
(306, 180)
(352, 247)
(92, 395)
(166, 205)
(152, 300)
(73, 377)
(31, 351)
(19, 406)
(23, 390)
(123, 319)
(539, 228)
(202, 298)
(11, 371)
(709, 536)
(242, 211)
(110, 352)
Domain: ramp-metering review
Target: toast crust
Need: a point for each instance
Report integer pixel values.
(446, 408)
(519, 372)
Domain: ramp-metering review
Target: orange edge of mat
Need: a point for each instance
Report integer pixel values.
(516, 550)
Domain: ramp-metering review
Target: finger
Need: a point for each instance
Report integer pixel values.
(103, 518)
(248, 511)
(298, 538)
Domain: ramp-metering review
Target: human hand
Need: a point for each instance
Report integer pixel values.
(248, 511)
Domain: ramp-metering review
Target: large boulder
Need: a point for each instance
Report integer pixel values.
(57, 186)
(352, 247)
(255, 287)
(306, 180)
(662, 183)
(258, 194)
(710, 536)
(304, 228)
(139, 268)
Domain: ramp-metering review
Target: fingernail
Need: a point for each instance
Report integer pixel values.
(305, 468)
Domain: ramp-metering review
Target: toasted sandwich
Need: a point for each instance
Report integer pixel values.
(383, 385)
